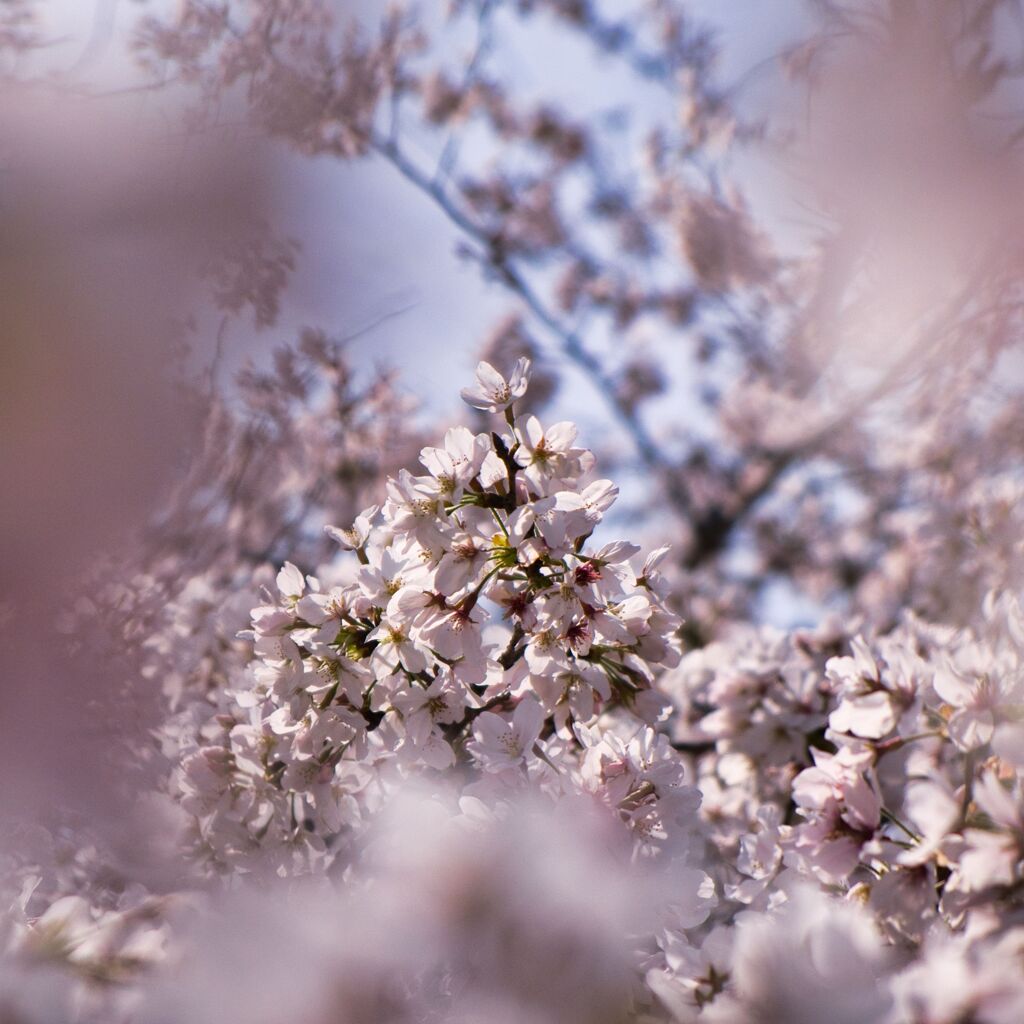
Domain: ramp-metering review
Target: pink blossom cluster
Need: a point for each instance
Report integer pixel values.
(471, 623)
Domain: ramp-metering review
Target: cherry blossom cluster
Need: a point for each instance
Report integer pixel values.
(884, 771)
(471, 622)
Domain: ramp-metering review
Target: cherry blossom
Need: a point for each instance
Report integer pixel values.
(493, 393)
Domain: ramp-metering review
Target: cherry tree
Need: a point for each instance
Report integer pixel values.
(407, 716)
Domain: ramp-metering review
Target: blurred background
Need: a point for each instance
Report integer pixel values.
(376, 257)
